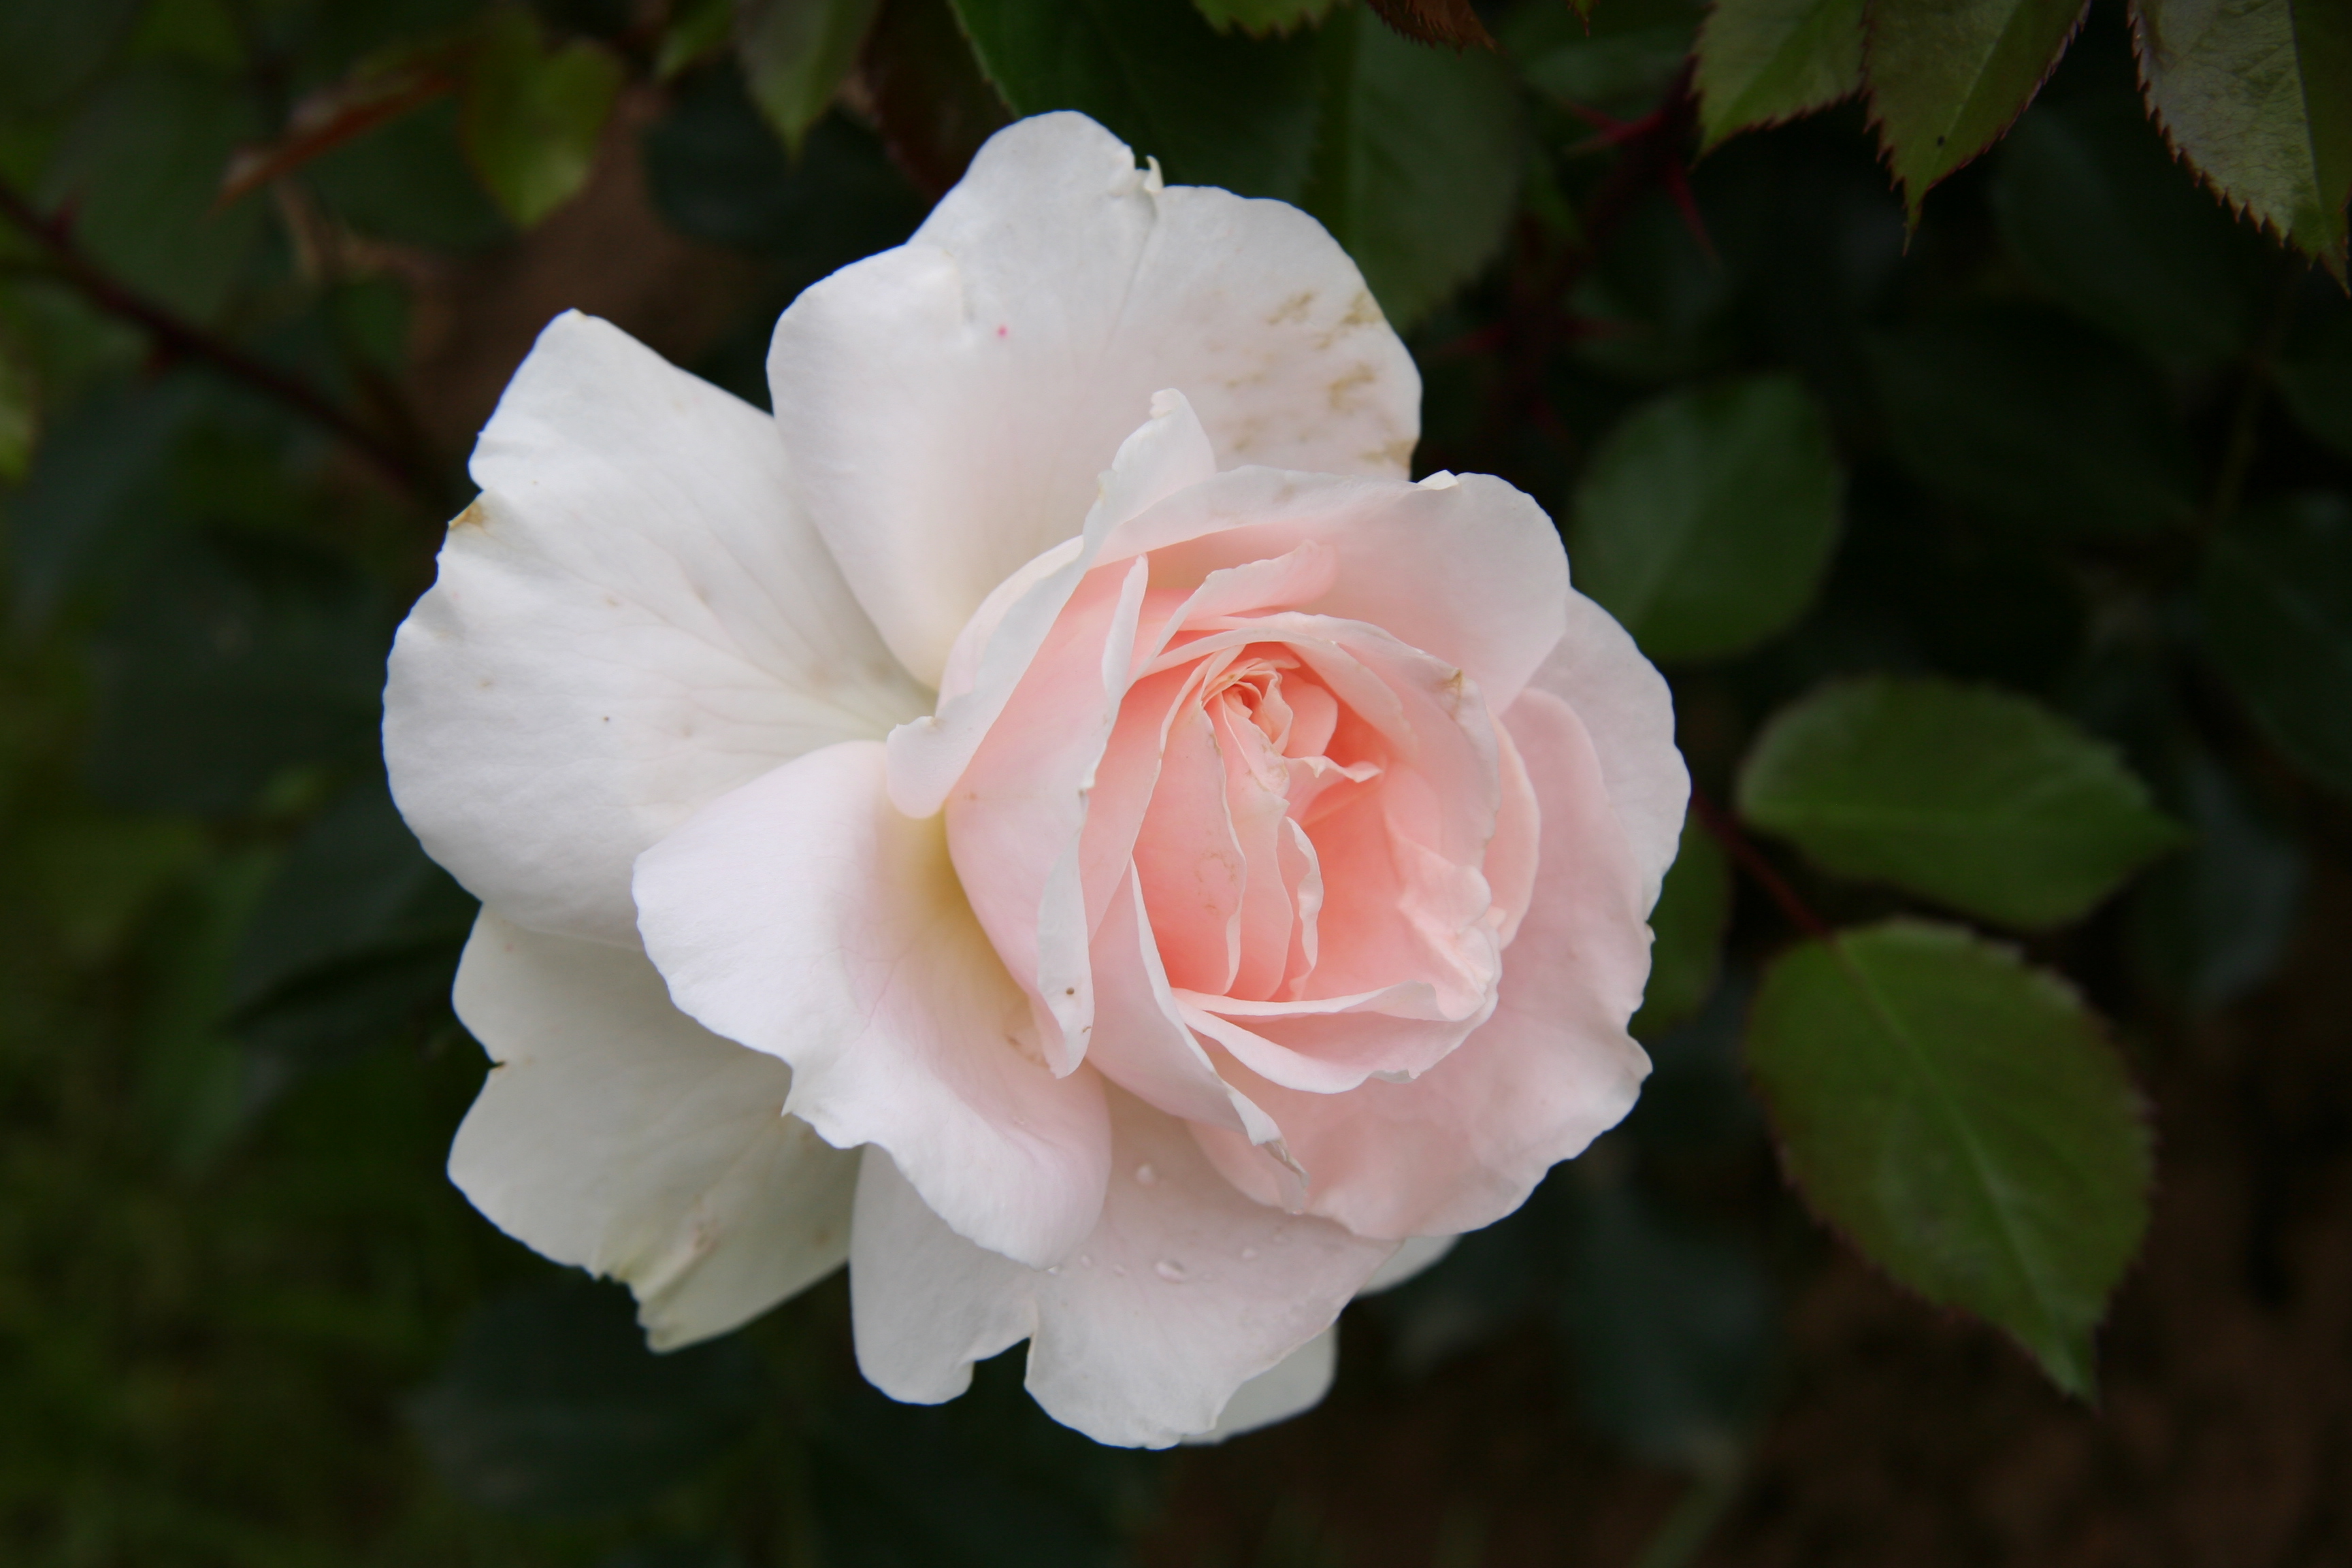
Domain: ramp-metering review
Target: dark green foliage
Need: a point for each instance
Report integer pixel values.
(1957, 1115)
(2027, 418)
(2277, 602)
(2074, 425)
(1136, 67)
(984, 1482)
(1946, 76)
(1694, 906)
(1976, 799)
(1417, 161)
(1706, 520)
(2093, 203)
(2253, 92)
(550, 1404)
(1764, 61)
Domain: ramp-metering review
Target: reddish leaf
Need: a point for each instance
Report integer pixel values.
(1436, 22)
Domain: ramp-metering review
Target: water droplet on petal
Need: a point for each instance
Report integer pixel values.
(1119, 1269)
(1085, 1260)
(1145, 1176)
(1248, 1253)
(1168, 1269)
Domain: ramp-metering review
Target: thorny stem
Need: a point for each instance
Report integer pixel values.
(1751, 859)
(176, 335)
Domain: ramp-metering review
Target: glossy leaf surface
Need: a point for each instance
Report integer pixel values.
(2258, 93)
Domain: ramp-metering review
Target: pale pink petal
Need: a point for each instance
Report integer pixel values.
(1188, 862)
(1512, 856)
(1139, 1040)
(804, 916)
(1463, 1144)
(1185, 1292)
(1411, 558)
(617, 1135)
(631, 621)
(948, 404)
(1629, 711)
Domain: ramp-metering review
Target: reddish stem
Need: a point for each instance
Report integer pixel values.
(1751, 859)
(176, 335)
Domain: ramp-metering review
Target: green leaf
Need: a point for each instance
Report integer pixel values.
(1259, 17)
(2098, 211)
(1977, 799)
(1946, 76)
(1694, 906)
(795, 53)
(1761, 62)
(533, 115)
(2276, 597)
(1417, 162)
(2314, 379)
(550, 1404)
(1140, 67)
(1960, 1118)
(2258, 94)
(2032, 419)
(697, 29)
(1707, 519)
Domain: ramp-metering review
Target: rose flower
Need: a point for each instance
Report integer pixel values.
(1053, 816)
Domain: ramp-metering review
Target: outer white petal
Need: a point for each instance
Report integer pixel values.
(1297, 1383)
(631, 621)
(1418, 1252)
(616, 1134)
(804, 916)
(947, 404)
(1629, 713)
(1185, 1292)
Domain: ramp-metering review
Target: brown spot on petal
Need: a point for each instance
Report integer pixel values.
(474, 516)
(1343, 390)
(1292, 309)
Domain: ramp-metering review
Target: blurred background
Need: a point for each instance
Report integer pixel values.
(265, 266)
